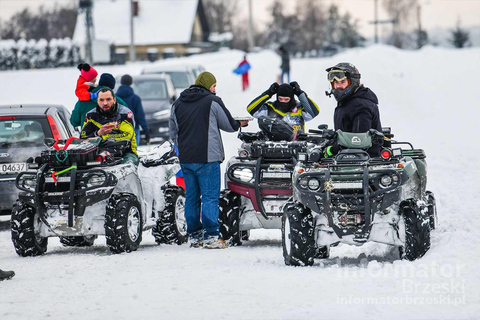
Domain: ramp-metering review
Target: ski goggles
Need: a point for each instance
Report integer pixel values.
(337, 75)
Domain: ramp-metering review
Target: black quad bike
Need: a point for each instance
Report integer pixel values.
(79, 189)
(259, 180)
(354, 198)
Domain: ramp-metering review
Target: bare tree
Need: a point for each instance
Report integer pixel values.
(310, 31)
(401, 12)
(220, 14)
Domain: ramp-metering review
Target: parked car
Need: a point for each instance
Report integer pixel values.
(157, 93)
(183, 75)
(23, 129)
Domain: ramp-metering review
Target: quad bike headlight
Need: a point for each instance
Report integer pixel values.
(386, 181)
(303, 183)
(95, 180)
(243, 174)
(313, 184)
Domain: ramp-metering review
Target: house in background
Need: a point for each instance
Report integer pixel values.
(166, 27)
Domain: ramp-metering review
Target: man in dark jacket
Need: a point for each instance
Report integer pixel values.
(285, 66)
(134, 103)
(196, 119)
(77, 118)
(357, 107)
(293, 112)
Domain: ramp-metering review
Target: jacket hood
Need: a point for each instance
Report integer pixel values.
(124, 91)
(194, 93)
(364, 93)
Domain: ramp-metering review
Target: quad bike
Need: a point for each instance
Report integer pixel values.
(354, 198)
(79, 189)
(259, 180)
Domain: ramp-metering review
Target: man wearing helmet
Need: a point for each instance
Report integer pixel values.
(285, 107)
(357, 106)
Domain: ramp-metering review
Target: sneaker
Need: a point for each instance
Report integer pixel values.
(217, 244)
(196, 244)
(5, 275)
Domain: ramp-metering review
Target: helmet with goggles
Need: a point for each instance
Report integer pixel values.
(340, 72)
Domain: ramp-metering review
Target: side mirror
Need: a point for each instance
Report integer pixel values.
(323, 126)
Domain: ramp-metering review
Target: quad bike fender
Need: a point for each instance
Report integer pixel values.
(249, 192)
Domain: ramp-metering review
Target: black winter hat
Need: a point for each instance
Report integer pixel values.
(107, 80)
(126, 79)
(285, 90)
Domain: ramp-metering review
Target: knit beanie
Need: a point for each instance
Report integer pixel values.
(285, 90)
(107, 80)
(126, 79)
(206, 80)
(87, 72)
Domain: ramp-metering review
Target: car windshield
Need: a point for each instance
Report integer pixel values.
(21, 131)
(152, 89)
(180, 79)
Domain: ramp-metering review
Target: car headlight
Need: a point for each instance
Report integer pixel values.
(313, 184)
(95, 180)
(162, 115)
(243, 174)
(386, 181)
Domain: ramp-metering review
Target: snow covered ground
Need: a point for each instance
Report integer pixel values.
(429, 97)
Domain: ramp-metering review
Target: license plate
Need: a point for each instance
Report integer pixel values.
(13, 167)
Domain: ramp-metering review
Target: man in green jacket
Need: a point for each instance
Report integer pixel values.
(83, 107)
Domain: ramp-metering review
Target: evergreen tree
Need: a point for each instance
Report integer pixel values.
(460, 38)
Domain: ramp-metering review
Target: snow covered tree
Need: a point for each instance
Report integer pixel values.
(8, 55)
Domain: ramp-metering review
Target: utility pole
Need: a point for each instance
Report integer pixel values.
(376, 19)
(132, 42)
(251, 42)
(86, 7)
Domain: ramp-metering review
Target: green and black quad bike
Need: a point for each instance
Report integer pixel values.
(79, 189)
(354, 198)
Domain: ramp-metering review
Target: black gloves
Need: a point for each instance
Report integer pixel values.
(331, 149)
(147, 136)
(296, 88)
(273, 89)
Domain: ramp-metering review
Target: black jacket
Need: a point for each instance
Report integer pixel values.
(195, 122)
(359, 113)
(134, 103)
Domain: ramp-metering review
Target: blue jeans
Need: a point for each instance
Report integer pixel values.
(287, 73)
(137, 136)
(202, 184)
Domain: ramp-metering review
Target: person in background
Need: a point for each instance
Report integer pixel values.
(86, 82)
(5, 275)
(196, 119)
(81, 108)
(285, 66)
(242, 70)
(285, 107)
(134, 103)
(111, 120)
(357, 106)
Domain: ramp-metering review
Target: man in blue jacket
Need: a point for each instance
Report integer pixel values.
(134, 103)
(357, 106)
(196, 119)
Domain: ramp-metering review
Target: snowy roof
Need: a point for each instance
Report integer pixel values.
(158, 22)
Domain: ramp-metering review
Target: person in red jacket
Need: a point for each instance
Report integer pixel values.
(242, 69)
(87, 79)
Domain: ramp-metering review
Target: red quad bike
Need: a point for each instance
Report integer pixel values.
(259, 180)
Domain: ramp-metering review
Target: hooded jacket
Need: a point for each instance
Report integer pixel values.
(134, 103)
(196, 119)
(359, 113)
(303, 110)
(81, 109)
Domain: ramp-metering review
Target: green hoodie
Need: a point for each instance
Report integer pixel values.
(82, 107)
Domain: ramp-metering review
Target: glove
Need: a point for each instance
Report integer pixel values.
(296, 88)
(147, 136)
(331, 149)
(273, 89)
(93, 95)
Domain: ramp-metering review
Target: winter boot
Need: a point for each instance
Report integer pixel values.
(216, 244)
(5, 275)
